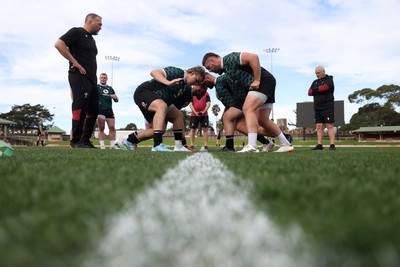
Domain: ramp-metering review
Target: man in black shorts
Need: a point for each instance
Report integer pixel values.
(322, 90)
(79, 48)
(233, 117)
(106, 114)
(244, 74)
(40, 132)
(168, 87)
(199, 114)
(174, 116)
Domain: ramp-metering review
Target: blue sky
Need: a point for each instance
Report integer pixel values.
(357, 41)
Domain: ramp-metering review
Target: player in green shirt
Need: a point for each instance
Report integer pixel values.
(244, 74)
(106, 115)
(169, 86)
(40, 132)
(174, 116)
(233, 118)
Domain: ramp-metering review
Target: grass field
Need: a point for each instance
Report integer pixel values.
(55, 203)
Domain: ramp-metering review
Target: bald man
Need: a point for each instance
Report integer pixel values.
(322, 90)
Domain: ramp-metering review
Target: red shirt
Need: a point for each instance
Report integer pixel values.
(200, 104)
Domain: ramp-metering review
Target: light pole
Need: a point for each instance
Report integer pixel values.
(54, 114)
(271, 51)
(112, 58)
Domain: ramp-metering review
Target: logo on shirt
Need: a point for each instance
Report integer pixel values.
(179, 93)
(144, 105)
(105, 91)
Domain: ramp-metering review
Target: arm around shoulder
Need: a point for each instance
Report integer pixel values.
(159, 76)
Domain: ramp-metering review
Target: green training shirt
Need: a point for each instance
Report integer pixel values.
(174, 93)
(105, 100)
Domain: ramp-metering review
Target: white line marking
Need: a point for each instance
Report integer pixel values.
(197, 215)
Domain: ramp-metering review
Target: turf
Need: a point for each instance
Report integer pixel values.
(346, 201)
(54, 201)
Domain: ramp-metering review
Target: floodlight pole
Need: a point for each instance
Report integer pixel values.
(112, 58)
(271, 51)
(54, 114)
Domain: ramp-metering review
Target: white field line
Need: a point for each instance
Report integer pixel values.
(197, 215)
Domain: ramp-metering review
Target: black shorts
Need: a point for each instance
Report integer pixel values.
(325, 116)
(143, 97)
(107, 113)
(267, 86)
(194, 121)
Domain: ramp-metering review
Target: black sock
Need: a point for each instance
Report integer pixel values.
(158, 137)
(184, 141)
(262, 139)
(178, 134)
(133, 138)
(229, 141)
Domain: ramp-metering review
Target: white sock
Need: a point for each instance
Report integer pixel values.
(101, 142)
(178, 143)
(282, 139)
(252, 139)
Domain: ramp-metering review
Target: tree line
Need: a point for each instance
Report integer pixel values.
(378, 108)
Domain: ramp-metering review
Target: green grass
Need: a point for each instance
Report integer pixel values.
(239, 141)
(54, 201)
(346, 201)
(296, 142)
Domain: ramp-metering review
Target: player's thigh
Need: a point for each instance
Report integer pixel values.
(158, 105)
(174, 113)
(101, 121)
(110, 123)
(263, 114)
(233, 113)
(253, 101)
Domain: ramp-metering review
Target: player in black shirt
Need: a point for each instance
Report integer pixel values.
(79, 48)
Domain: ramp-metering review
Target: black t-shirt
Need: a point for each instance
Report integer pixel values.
(83, 48)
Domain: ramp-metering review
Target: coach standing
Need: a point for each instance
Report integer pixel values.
(79, 48)
(322, 90)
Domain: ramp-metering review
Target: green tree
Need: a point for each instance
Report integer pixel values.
(186, 119)
(27, 117)
(130, 126)
(378, 107)
(374, 115)
(389, 95)
(220, 125)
